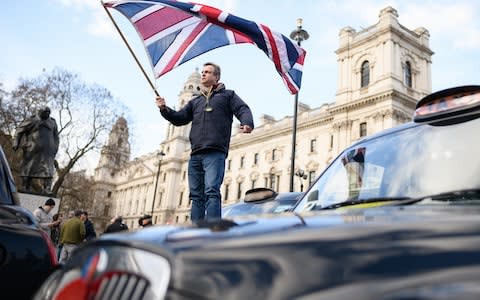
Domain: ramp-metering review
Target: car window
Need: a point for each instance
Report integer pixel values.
(412, 162)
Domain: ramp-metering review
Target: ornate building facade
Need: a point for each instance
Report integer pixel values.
(383, 71)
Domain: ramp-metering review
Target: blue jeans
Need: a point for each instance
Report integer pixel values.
(205, 175)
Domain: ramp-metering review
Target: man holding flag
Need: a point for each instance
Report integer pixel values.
(174, 32)
(211, 114)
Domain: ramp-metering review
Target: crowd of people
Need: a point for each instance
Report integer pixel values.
(67, 234)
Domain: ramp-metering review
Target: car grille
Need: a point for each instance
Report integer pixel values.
(121, 286)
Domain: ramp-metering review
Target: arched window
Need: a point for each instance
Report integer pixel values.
(408, 74)
(365, 74)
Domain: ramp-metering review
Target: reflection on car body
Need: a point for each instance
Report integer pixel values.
(272, 202)
(394, 216)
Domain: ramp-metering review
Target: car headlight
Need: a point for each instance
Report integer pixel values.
(109, 273)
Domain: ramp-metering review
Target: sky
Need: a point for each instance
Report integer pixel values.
(78, 36)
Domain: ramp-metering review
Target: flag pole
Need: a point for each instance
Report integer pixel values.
(130, 49)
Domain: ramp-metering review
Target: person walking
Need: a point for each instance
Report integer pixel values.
(89, 228)
(72, 233)
(116, 225)
(43, 217)
(211, 114)
(145, 221)
(55, 233)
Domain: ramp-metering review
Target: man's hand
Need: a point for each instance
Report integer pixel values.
(245, 128)
(160, 101)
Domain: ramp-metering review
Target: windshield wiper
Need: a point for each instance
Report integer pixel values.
(461, 195)
(393, 200)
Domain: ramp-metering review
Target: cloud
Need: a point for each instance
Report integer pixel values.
(101, 25)
(456, 22)
(80, 4)
(98, 23)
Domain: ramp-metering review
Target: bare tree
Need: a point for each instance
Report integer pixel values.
(84, 113)
(77, 192)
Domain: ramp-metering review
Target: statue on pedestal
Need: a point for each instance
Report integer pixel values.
(37, 136)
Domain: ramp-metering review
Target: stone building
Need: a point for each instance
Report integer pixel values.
(383, 71)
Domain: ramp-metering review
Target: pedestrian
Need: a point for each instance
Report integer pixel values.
(116, 225)
(89, 228)
(145, 221)
(43, 217)
(72, 233)
(55, 233)
(211, 114)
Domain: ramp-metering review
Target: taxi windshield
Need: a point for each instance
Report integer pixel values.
(413, 162)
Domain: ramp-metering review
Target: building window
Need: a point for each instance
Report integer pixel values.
(160, 196)
(106, 210)
(331, 141)
(255, 159)
(239, 191)
(273, 181)
(363, 129)
(365, 74)
(311, 177)
(313, 145)
(227, 189)
(164, 177)
(181, 199)
(274, 154)
(184, 174)
(408, 74)
(109, 194)
(242, 161)
(229, 164)
(253, 183)
(265, 181)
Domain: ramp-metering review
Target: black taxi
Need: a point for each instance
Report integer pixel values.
(394, 216)
(27, 255)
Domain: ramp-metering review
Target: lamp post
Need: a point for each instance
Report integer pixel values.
(161, 154)
(301, 174)
(298, 35)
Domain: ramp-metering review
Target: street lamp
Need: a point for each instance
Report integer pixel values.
(298, 35)
(161, 154)
(301, 174)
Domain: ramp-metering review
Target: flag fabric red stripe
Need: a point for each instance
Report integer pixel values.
(288, 82)
(159, 21)
(273, 45)
(184, 46)
(212, 12)
(239, 38)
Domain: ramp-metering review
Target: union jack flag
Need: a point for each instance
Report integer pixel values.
(175, 32)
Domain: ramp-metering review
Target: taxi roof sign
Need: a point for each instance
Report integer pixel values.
(448, 102)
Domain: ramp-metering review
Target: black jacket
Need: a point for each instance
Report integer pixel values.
(116, 227)
(89, 230)
(211, 130)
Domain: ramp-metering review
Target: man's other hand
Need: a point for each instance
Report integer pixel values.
(245, 128)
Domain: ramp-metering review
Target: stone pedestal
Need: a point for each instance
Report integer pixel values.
(32, 202)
